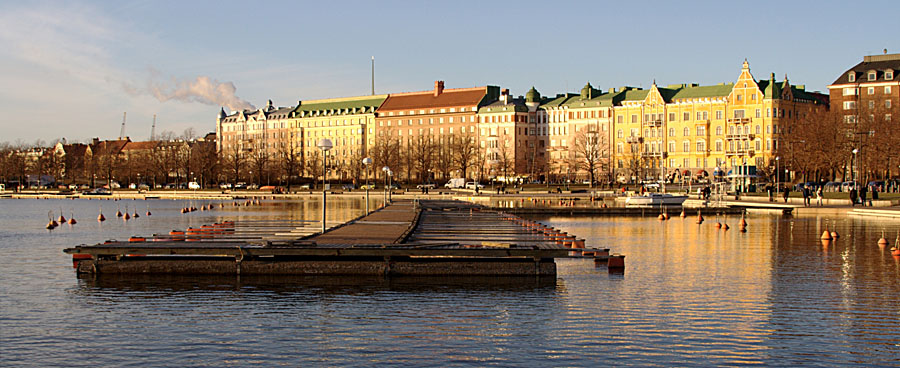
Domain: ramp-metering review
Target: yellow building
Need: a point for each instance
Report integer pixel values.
(347, 122)
(689, 131)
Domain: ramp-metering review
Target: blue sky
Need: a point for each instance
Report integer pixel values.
(70, 69)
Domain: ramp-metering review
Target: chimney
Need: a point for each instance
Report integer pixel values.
(95, 141)
(438, 88)
(504, 95)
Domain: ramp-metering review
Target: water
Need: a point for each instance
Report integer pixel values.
(690, 296)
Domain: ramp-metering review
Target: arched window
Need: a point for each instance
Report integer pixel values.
(687, 131)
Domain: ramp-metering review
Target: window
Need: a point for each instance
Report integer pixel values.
(738, 114)
(887, 117)
(706, 115)
(873, 76)
(687, 131)
(887, 104)
(849, 105)
(758, 145)
(671, 132)
(699, 115)
(672, 148)
(620, 119)
(889, 74)
(687, 116)
(887, 90)
(871, 90)
(757, 129)
(849, 119)
(634, 118)
(619, 134)
(753, 97)
(850, 91)
(740, 97)
(687, 162)
(671, 116)
(701, 130)
(718, 130)
(718, 146)
(718, 114)
(758, 113)
(871, 105)
(701, 146)
(851, 77)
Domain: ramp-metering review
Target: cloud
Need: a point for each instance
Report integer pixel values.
(202, 89)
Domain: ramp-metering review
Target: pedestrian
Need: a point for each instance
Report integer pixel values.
(819, 196)
(853, 196)
(787, 193)
(862, 195)
(805, 192)
(874, 193)
(771, 193)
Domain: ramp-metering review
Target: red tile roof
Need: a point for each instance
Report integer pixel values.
(454, 97)
(137, 146)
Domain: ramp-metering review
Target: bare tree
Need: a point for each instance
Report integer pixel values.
(422, 156)
(465, 151)
(290, 159)
(590, 152)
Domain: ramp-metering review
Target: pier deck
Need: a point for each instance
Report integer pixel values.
(419, 238)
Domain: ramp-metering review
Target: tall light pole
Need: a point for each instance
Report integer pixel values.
(324, 145)
(385, 170)
(777, 158)
(367, 162)
(855, 170)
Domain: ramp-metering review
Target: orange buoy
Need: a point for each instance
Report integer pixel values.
(743, 229)
(662, 217)
(883, 242)
(743, 222)
(726, 227)
(101, 218)
(826, 235)
(62, 219)
(834, 234)
(51, 225)
(72, 220)
(718, 225)
(126, 217)
(699, 218)
(135, 214)
(895, 252)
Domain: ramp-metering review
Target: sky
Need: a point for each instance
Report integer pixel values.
(71, 69)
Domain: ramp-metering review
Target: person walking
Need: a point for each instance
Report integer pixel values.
(787, 193)
(862, 195)
(819, 197)
(853, 197)
(805, 192)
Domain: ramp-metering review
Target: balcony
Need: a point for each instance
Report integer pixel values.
(739, 121)
(740, 152)
(740, 137)
(634, 140)
(652, 154)
(654, 123)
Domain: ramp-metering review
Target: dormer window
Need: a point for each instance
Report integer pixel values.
(888, 74)
(873, 75)
(851, 77)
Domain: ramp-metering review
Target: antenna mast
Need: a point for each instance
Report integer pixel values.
(373, 75)
(153, 129)
(122, 132)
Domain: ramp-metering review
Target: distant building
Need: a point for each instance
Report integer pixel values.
(871, 87)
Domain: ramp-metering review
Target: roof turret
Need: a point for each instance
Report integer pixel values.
(532, 95)
(587, 91)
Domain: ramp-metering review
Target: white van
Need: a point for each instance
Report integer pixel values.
(193, 185)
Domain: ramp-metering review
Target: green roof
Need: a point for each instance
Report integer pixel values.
(340, 106)
(688, 92)
(558, 101)
(634, 95)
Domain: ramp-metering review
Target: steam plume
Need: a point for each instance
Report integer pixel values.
(203, 89)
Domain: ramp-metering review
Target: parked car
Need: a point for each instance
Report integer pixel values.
(304, 186)
(367, 186)
(97, 191)
(194, 185)
(225, 186)
(240, 185)
(423, 186)
(253, 186)
(473, 185)
(348, 187)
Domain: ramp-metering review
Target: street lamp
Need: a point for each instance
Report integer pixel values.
(855, 170)
(367, 162)
(324, 145)
(777, 158)
(385, 170)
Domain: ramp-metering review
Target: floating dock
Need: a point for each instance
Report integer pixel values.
(407, 237)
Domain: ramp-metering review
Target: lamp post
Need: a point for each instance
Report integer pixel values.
(390, 175)
(324, 145)
(385, 170)
(367, 162)
(777, 158)
(854, 172)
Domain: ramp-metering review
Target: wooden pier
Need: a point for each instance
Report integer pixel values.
(410, 238)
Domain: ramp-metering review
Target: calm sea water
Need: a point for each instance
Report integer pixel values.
(691, 295)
